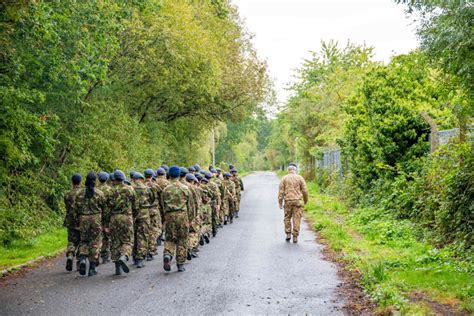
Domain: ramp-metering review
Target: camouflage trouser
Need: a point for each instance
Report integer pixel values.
(237, 202)
(141, 227)
(215, 217)
(73, 241)
(121, 233)
(91, 236)
(206, 219)
(293, 210)
(224, 209)
(106, 241)
(177, 231)
(194, 232)
(155, 229)
(230, 208)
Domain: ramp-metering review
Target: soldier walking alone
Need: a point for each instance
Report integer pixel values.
(292, 195)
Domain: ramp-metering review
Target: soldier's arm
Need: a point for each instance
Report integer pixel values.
(304, 189)
(241, 184)
(281, 193)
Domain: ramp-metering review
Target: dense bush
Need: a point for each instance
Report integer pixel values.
(91, 85)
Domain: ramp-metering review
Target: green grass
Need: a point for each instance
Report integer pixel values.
(392, 263)
(21, 251)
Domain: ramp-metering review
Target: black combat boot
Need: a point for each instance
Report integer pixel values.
(194, 253)
(92, 269)
(189, 256)
(288, 237)
(181, 268)
(149, 257)
(167, 263)
(140, 263)
(118, 268)
(158, 241)
(237, 215)
(123, 263)
(69, 263)
(105, 259)
(295, 239)
(231, 219)
(206, 238)
(82, 265)
(201, 240)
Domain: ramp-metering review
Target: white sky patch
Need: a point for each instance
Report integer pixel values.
(286, 30)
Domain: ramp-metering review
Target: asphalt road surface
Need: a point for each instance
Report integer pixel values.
(247, 269)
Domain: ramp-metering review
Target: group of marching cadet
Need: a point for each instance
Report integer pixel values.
(120, 219)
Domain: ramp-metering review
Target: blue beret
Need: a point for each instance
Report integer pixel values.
(213, 170)
(119, 175)
(165, 167)
(233, 170)
(197, 167)
(131, 174)
(191, 169)
(218, 170)
(231, 166)
(198, 176)
(111, 176)
(149, 173)
(138, 175)
(226, 174)
(103, 176)
(161, 171)
(174, 172)
(190, 177)
(208, 175)
(204, 180)
(76, 178)
(183, 171)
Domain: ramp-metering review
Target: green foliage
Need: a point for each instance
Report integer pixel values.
(243, 144)
(392, 262)
(312, 120)
(24, 250)
(99, 85)
(385, 133)
(446, 32)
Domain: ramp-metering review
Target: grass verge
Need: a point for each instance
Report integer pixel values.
(399, 272)
(21, 251)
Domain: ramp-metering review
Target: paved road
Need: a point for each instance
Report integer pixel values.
(247, 269)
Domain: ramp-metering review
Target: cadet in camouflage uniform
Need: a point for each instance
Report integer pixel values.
(222, 206)
(204, 210)
(71, 222)
(194, 217)
(176, 203)
(106, 189)
(292, 195)
(90, 204)
(207, 194)
(141, 219)
(239, 186)
(122, 205)
(215, 202)
(162, 183)
(155, 216)
(230, 188)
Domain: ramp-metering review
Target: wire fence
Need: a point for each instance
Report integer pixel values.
(332, 160)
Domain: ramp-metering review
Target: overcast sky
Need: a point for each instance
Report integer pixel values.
(286, 30)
